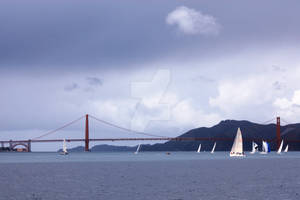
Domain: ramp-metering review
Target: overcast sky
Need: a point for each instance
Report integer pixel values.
(161, 67)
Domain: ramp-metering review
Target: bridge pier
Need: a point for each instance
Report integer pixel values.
(278, 139)
(10, 145)
(29, 146)
(87, 140)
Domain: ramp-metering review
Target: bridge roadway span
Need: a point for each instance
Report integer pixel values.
(141, 139)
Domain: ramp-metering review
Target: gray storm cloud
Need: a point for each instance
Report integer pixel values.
(71, 87)
(94, 81)
(88, 35)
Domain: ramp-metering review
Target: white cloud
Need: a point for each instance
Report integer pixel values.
(258, 96)
(185, 114)
(190, 21)
(282, 103)
(296, 98)
(237, 93)
(288, 109)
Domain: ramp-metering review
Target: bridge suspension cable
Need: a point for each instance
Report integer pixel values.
(125, 129)
(289, 127)
(287, 123)
(58, 129)
(269, 121)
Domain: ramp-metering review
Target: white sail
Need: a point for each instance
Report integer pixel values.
(237, 147)
(138, 149)
(286, 149)
(280, 147)
(254, 148)
(265, 148)
(64, 149)
(199, 148)
(213, 149)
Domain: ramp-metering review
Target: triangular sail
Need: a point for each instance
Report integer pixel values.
(265, 147)
(138, 149)
(65, 146)
(286, 149)
(199, 148)
(213, 149)
(280, 147)
(237, 147)
(254, 148)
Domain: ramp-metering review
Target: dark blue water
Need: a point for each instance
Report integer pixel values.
(181, 175)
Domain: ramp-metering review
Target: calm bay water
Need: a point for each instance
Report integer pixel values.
(149, 175)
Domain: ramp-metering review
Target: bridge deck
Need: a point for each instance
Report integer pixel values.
(144, 139)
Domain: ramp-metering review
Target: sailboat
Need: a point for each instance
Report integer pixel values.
(286, 149)
(237, 147)
(64, 149)
(265, 148)
(213, 149)
(280, 147)
(138, 149)
(199, 148)
(254, 148)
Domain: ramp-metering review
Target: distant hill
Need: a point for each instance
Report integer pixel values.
(225, 129)
(103, 148)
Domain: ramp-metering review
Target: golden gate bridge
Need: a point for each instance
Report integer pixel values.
(150, 137)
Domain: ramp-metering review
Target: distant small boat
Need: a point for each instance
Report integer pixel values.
(168, 153)
(265, 148)
(237, 147)
(199, 148)
(254, 148)
(64, 149)
(213, 149)
(280, 147)
(138, 149)
(286, 149)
